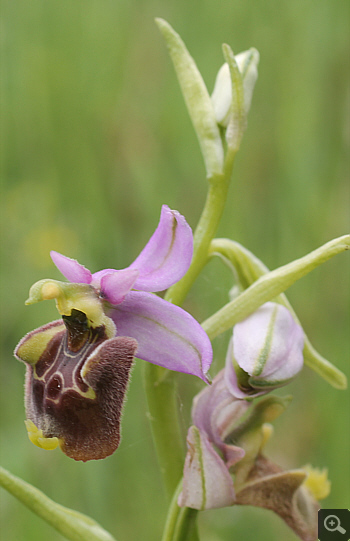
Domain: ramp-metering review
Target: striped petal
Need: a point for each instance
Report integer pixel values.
(167, 255)
(268, 339)
(207, 482)
(166, 335)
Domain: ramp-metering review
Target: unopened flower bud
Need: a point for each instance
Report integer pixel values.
(266, 351)
(221, 97)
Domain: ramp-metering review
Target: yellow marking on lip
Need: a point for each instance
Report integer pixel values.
(33, 346)
(37, 437)
(90, 393)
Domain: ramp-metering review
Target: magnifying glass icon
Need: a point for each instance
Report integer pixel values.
(332, 524)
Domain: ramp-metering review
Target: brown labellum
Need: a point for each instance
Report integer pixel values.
(75, 384)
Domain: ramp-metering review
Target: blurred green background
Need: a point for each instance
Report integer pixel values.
(96, 138)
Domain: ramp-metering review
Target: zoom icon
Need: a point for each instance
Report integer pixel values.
(334, 524)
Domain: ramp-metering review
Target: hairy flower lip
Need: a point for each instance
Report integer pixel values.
(284, 493)
(75, 386)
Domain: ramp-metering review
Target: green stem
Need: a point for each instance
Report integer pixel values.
(205, 231)
(173, 515)
(186, 525)
(180, 523)
(161, 394)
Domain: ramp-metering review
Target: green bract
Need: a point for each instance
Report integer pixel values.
(197, 100)
(73, 525)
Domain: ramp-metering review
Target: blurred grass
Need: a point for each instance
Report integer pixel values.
(95, 139)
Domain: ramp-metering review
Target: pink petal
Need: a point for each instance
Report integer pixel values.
(227, 415)
(233, 454)
(207, 483)
(215, 409)
(166, 334)
(205, 401)
(71, 269)
(115, 284)
(167, 255)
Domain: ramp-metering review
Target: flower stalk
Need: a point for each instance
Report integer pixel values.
(159, 383)
(180, 523)
(204, 233)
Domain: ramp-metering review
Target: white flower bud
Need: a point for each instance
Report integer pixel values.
(221, 97)
(266, 351)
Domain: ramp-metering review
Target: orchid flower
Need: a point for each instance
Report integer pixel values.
(78, 367)
(225, 466)
(265, 352)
